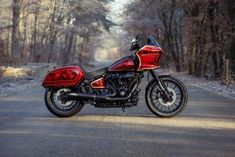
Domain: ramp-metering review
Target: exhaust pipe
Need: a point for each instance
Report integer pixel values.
(82, 96)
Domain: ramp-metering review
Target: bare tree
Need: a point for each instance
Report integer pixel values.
(195, 34)
(15, 27)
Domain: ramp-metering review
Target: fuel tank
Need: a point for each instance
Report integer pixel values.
(68, 76)
(124, 64)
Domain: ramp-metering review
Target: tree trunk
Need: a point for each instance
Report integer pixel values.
(24, 38)
(15, 28)
(53, 31)
(68, 46)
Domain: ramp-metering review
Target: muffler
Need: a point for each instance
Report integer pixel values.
(93, 97)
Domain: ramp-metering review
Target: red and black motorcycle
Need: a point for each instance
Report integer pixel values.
(69, 88)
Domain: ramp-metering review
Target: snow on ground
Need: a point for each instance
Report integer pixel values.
(32, 76)
(217, 87)
(7, 89)
(17, 79)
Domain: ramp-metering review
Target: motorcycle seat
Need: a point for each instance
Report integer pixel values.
(96, 73)
(91, 74)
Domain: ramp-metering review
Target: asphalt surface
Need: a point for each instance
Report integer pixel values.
(205, 128)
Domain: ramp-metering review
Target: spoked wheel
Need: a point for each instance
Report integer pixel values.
(162, 106)
(59, 107)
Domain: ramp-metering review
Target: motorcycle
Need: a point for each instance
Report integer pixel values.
(70, 87)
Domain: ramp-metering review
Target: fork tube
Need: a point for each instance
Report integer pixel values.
(161, 84)
(155, 76)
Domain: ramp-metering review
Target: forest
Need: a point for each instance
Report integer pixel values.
(197, 36)
(50, 31)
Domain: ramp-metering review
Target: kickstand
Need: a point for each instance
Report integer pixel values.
(123, 109)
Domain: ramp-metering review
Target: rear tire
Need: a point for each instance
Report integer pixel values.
(58, 107)
(166, 109)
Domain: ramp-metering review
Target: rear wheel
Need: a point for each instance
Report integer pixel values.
(57, 106)
(159, 105)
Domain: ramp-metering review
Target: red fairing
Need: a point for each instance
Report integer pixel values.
(99, 83)
(125, 64)
(149, 57)
(63, 77)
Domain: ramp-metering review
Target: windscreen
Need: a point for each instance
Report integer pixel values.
(152, 41)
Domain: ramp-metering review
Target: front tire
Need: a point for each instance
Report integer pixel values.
(162, 108)
(61, 108)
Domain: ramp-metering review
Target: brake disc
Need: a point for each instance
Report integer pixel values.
(57, 98)
(168, 103)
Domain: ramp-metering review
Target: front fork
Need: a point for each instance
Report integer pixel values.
(162, 86)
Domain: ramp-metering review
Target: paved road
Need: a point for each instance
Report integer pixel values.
(205, 128)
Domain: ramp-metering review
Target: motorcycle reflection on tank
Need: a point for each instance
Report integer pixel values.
(69, 88)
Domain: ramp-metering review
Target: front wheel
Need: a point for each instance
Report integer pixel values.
(166, 108)
(58, 106)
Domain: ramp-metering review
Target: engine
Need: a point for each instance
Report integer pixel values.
(120, 85)
(123, 83)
